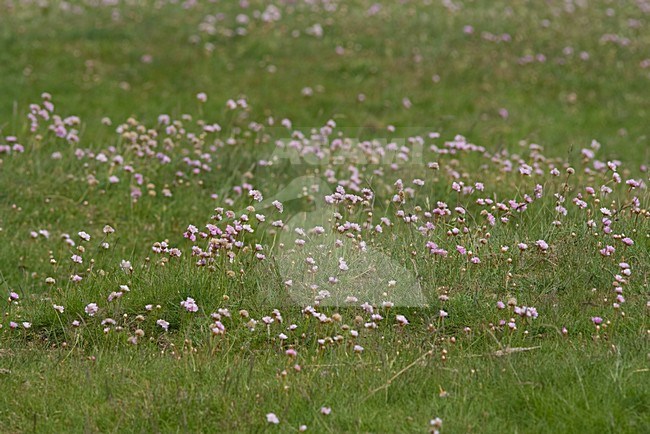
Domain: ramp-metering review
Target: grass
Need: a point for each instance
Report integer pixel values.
(559, 372)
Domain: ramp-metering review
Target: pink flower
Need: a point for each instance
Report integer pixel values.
(325, 410)
(272, 418)
(126, 266)
(164, 324)
(401, 320)
(597, 320)
(91, 309)
(218, 328)
(543, 245)
(190, 305)
(607, 251)
(256, 195)
(525, 311)
(525, 170)
(76, 278)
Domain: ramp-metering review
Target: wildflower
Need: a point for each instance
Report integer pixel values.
(597, 320)
(607, 250)
(91, 309)
(436, 424)
(58, 308)
(525, 311)
(218, 328)
(272, 418)
(164, 324)
(358, 349)
(278, 205)
(190, 305)
(543, 245)
(13, 296)
(126, 266)
(401, 320)
(114, 295)
(325, 411)
(256, 195)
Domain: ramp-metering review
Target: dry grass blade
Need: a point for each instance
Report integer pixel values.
(509, 350)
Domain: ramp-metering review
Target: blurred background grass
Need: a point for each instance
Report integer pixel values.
(92, 62)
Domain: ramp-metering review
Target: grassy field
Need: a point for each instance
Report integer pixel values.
(324, 215)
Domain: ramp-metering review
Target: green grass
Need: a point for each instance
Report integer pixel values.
(56, 377)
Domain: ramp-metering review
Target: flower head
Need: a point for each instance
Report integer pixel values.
(91, 309)
(272, 418)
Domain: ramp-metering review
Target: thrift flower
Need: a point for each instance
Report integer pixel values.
(91, 309)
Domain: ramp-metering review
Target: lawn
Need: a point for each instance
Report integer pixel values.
(324, 215)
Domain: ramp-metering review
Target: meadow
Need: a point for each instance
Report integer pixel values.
(325, 216)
